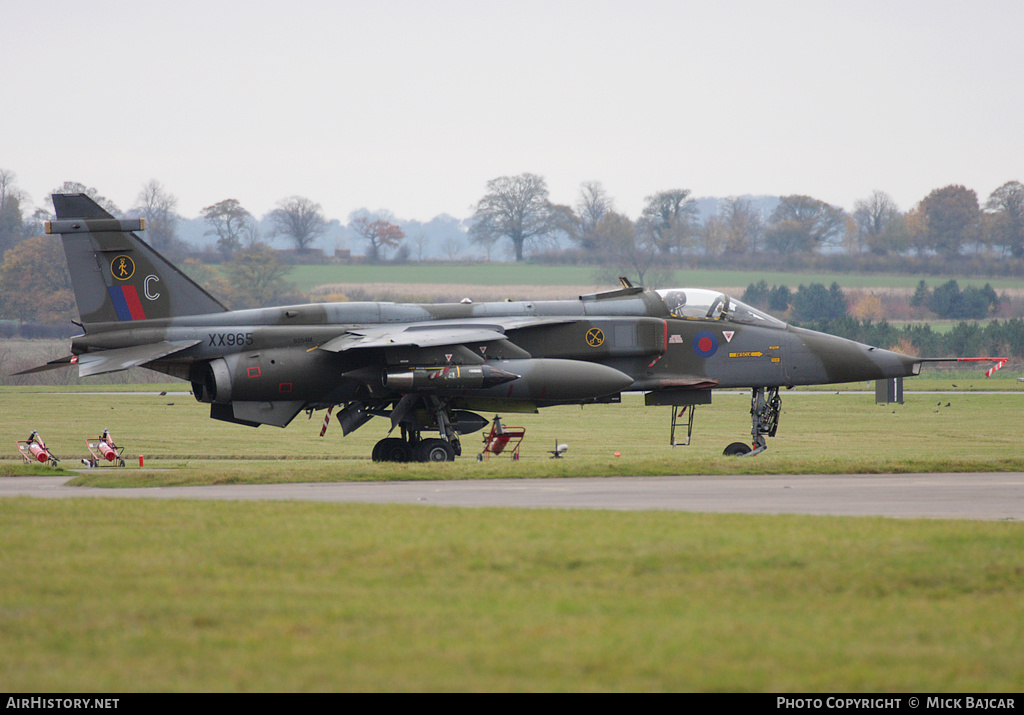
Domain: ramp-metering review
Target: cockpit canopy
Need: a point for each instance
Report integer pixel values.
(703, 304)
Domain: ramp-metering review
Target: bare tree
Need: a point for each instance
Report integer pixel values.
(452, 247)
(592, 205)
(228, 221)
(159, 208)
(877, 220)
(12, 223)
(8, 186)
(744, 226)
(419, 243)
(252, 235)
(300, 219)
(516, 208)
(670, 218)
(626, 250)
(713, 235)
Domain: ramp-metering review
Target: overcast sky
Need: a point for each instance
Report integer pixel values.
(412, 106)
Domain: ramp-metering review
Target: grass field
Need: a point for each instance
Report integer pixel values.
(820, 432)
(138, 595)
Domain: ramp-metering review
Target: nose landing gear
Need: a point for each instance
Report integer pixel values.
(765, 407)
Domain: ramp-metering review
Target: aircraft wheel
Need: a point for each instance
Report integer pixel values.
(391, 449)
(435, 450)
(737, 449)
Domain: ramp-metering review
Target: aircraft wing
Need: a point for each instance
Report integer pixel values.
(123, 358)
(413, 336)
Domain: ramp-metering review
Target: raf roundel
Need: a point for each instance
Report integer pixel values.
(705, 344)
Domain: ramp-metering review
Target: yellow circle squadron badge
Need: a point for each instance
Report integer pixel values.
(595, 337)
(122, 267)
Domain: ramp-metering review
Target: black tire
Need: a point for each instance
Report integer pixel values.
(435, 450)
(737, 449)
(391, 449)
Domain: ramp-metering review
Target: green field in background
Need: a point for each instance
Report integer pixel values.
(497, 274)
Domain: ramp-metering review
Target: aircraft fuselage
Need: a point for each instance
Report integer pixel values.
(280, 346)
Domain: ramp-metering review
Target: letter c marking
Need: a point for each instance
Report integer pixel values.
(151, 296)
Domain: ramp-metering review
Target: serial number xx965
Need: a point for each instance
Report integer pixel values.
(220, 340)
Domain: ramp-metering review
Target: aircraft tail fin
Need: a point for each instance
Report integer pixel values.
(117, 276)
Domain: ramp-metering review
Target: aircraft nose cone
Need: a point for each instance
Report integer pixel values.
(893, 364)
(821, 358)
(496, 376)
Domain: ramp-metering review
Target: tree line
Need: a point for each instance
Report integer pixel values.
(516, 215)
(947, 223)
(297, 220)
(816, 303)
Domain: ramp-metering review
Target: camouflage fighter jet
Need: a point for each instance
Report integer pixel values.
(431, 368)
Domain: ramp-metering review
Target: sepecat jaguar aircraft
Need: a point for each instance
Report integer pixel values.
(431, 368)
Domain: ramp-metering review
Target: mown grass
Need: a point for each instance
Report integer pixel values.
(138, 595)
(820, 432)
(162, 596)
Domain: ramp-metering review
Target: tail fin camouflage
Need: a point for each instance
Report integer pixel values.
(117, 277)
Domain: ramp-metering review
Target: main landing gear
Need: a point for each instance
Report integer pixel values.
(394, 449)
(765, 407)
(414, 414)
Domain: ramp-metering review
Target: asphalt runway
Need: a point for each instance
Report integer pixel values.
(976, 495)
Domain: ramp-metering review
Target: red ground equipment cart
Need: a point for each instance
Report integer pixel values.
(34, 450)
(102, 450)
(500, 437)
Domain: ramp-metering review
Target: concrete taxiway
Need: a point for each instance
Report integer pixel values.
(974, 495)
